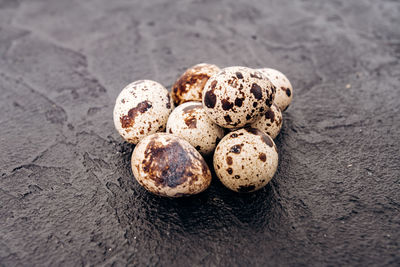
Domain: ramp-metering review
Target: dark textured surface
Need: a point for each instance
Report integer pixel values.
(67, 195)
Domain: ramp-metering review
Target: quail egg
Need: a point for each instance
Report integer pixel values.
(142, 108)
(245, 160)
(270, 122)
(191, 122)
(189, 86)
(235, 96)
(167, 165)
(284, 89)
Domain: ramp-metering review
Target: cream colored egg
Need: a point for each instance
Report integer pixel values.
(236, 96)
(270, 122)
(191, 122)
(142, 108)
(246, 160)
(284, 89)
(189, 86)
(167, 165)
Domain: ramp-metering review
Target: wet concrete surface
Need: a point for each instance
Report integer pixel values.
(67, 195)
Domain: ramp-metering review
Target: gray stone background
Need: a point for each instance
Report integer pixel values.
(67, 195)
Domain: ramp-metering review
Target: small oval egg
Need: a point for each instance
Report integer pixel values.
(168, 165)
(270, 122)
(236, 96)
(190, 84)
(142, 108)
(284, 89)
(245, 160)
(191, 122)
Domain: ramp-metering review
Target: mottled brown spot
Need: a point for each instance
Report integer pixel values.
(141, 131)
(269, 101)
(239, 102)
(213, 85)
(191, 122)
(123, 101)
(170, 130)
(288, 92)
(273, 89)
(228, 118)
(229, 160)
(246, 189)
(256, 75)
(256, 91)
(226, 105)
(168, 105)
(129, 120)
(269, 114)
(210, 99)
(264, 137)
(239, 75)
(262, 157)
(229, 170)
(236, 149)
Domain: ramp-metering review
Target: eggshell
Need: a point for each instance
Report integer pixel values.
(235, 96)
(246, 160)
(189, 86)
(284, 89)
(167, 165)
(191, 122)
(270, 122)
(142, 108)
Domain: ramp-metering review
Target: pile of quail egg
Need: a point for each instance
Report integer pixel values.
(231, 114)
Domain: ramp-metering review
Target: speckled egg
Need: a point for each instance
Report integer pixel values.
(168, 165)
(284, 89)
(189, 86)
(235, 96)
(142, 108)
(191, 122)
(246, 160)
(270, 122)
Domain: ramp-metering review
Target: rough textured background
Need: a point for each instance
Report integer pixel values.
(67, 195)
